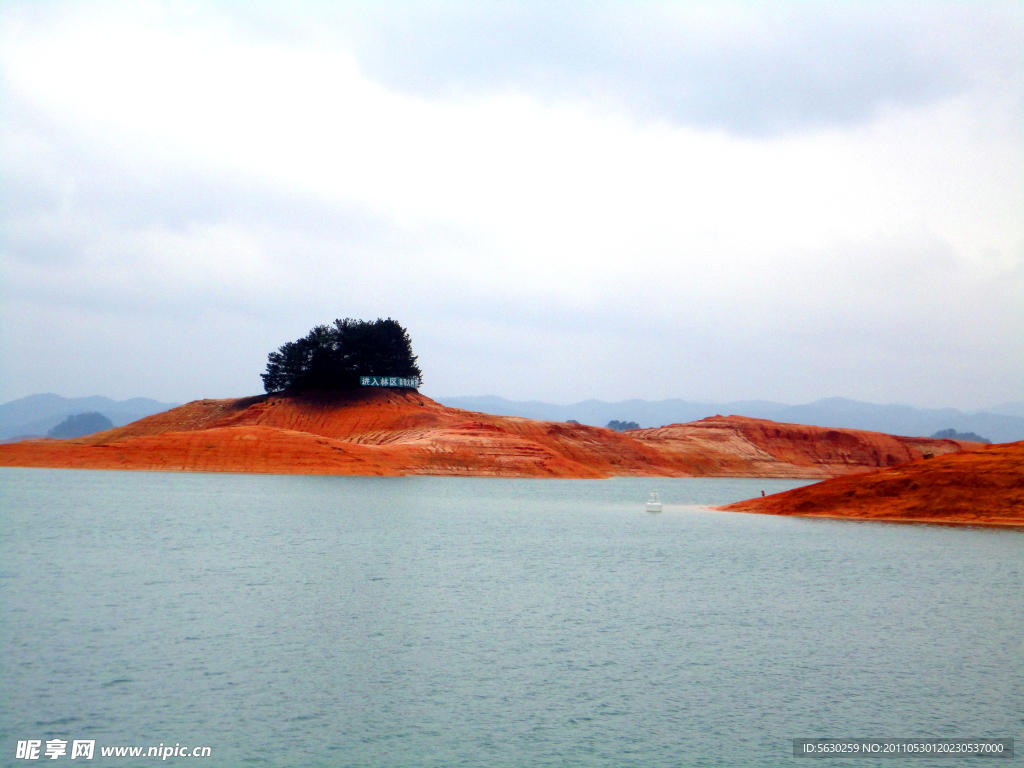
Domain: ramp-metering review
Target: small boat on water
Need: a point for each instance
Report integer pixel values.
(654, 503)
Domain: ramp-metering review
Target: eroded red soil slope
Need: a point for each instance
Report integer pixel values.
(396, 432)
(980, 487)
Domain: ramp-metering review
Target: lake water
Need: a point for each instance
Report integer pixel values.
(340, 621)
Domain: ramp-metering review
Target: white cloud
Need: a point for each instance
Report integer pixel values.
(173, 166)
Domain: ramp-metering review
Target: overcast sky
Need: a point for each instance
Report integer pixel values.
(559, 200)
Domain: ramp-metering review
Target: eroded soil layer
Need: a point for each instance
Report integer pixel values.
(978, 487)
(400, 432)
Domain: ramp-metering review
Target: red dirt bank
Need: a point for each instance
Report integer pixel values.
(392, 432)
(981, 487)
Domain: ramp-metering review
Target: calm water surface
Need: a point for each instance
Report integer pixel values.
(335, 621)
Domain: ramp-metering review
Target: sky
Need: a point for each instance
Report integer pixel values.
(559, 200)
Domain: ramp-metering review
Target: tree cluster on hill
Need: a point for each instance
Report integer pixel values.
(333, 357)
(622, 426)
(80, 425)
(952, 434)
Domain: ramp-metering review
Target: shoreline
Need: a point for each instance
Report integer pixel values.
(898, 520)
(982, 488)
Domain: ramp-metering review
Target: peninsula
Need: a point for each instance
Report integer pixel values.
(978, 487)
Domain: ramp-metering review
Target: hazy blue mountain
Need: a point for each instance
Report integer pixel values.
(952, 434)
(904, 419)
(80, 425)
(38, 414)
(831, 412)
(1015, 408)
(598, 413)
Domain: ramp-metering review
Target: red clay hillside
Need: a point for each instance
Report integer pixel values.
(376, 431)
(979, 487)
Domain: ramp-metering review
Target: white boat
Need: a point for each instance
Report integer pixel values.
(654, 503)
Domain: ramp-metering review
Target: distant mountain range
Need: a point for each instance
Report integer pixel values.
(38, 414)
(1001, 424)
(1005, 409)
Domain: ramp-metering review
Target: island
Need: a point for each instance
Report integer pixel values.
(344, 400)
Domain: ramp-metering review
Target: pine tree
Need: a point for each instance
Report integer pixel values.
(333, 357)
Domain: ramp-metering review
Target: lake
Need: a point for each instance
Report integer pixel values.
(427, 621)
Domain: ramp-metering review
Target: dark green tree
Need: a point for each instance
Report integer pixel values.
(332, 357)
